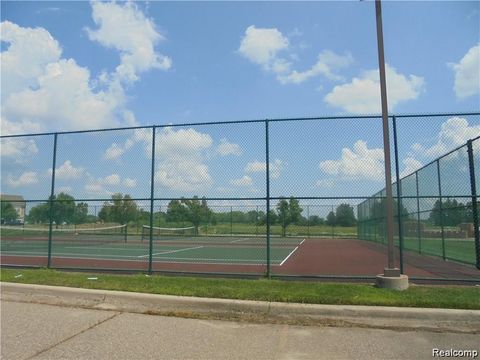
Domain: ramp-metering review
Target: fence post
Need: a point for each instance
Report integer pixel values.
(441, 210)
(419, 230)
(267, 169)
(473, 187)
(152, 195)
(333, 222)
(308, 221)
(399, 193)
(256, 222)
(52, 194)
(231, 220)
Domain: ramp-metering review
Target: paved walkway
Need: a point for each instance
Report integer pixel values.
(39, 322)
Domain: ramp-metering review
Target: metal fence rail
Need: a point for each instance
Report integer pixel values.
(283, 197)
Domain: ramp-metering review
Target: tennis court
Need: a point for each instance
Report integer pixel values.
(113, 243)
(180, 250)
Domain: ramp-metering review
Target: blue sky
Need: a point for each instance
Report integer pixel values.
(81, 65)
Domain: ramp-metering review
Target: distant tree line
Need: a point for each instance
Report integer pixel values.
(450, 212)
(122, 209)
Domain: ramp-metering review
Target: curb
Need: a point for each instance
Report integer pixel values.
(440, 320)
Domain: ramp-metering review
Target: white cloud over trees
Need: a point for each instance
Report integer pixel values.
(362, 94)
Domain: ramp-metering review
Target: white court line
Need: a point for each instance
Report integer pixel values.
(291, 253)
(288, 256)
(238, 240)
(99, 248)
(172, 251)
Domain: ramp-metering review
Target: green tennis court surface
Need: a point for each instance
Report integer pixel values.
(216, 250)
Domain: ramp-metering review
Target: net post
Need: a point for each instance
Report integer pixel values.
(441, 210)
(399, 193)
(267, 170)
(52, 194)
(125, 229)
(473, 187)
(152, 194)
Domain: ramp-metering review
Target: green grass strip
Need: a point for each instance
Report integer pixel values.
(451, 297)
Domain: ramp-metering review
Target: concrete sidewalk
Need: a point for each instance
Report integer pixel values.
(36, 331)
(376, 317)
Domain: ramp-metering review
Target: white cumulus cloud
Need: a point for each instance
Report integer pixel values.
(67, 171)
(362, 94)
(328, 62)
(42, 91)
(359, 163)
(124, 27)
(30, 50)
(455, 132)
(226, 148)
(113, 152)
(467, 73)
(262, 45)
(103, 185)
(18, 149)
(27, 178)
(181, 159)
(130, 183)
(113, 179)
(276, 167)
(243, 181)
(410, 166)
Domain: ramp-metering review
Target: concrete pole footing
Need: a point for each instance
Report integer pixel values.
(394, 283)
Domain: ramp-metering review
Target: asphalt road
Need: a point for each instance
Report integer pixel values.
(37, 331)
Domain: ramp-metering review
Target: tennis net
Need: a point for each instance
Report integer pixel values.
(160, 233)
(100, 235)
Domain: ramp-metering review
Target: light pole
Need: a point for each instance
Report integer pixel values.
(391, 277)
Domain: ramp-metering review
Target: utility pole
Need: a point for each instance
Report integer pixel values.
(391, 277)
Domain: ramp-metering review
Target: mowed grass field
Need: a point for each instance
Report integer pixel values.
(461, 250)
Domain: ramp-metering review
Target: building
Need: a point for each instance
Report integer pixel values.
(18, 203)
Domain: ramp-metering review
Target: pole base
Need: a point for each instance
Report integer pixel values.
(392, 282)
(394, 272)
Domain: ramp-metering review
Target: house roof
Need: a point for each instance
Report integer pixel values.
(16, 200)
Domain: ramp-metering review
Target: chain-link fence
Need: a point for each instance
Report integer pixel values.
(285, 197)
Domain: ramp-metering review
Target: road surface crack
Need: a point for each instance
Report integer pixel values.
(74, 335)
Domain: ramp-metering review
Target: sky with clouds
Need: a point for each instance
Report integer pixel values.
(89, 65)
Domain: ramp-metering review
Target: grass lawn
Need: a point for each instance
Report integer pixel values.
(455, 297)
(456, 249)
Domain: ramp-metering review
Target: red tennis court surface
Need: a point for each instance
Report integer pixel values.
(314, 257)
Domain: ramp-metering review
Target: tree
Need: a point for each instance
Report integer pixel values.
(176, 212)
(104, 213)
(288, 212)
(315, 220)
(8, 212)
(121, 209)
(379, 209)
(331, 219)
(194, 210)
(345, 216)
(448, 213)
(39, 214)
(81, 213)
(63, 208)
